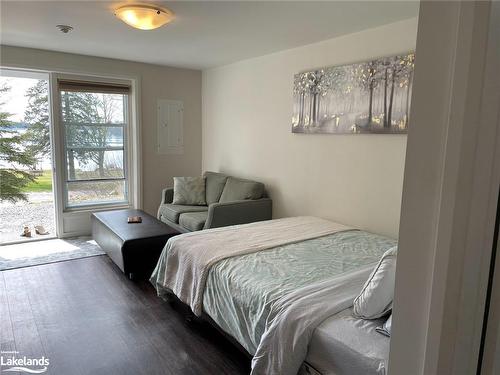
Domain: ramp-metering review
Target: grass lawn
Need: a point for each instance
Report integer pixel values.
(41, 184)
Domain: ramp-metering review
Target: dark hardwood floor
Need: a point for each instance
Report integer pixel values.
(88, 318)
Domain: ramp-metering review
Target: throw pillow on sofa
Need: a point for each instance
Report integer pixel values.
(237, 189)
(189, 191)
(215, 183)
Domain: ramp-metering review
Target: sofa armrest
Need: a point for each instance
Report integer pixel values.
(238, 212)
(167, 196)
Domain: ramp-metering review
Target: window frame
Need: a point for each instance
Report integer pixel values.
(127, 145)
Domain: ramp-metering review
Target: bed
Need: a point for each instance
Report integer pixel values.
(344, 345)
(254, 296)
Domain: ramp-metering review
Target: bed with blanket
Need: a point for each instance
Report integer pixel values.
(283, 289)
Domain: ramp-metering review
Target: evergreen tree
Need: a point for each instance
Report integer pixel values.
(15, 160)
(37, 137)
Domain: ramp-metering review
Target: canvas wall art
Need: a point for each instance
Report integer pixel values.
(370, 97)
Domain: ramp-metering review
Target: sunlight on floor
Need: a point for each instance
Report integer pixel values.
(36, 249)
(46, 251)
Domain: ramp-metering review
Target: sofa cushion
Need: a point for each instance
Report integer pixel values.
(189, 191)
(193, 221)
(214, 184)
(240, 189)
(172, 211)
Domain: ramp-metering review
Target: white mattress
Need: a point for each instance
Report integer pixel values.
(344, 345)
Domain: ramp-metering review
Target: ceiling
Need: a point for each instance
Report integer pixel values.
(204, 34)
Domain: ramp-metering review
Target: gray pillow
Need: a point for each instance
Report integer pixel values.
(237, 189)
(189, 191)
(215, 183)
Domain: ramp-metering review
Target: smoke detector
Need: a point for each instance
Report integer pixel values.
(64, 28)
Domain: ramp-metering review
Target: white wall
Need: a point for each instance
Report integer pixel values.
(451, 181)
(353, 179)
(156, 82)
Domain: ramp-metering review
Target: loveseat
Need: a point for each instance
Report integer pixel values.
(229, 201)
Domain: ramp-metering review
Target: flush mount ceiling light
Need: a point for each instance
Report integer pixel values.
(144, 17)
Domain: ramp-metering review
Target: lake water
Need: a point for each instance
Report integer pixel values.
(45, 162)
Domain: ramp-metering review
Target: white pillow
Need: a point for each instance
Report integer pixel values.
(375, 299)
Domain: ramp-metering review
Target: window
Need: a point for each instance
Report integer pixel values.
(95, 125)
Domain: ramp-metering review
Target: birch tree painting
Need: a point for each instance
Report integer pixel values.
(370, 97)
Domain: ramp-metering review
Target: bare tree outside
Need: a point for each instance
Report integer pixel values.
(370, 97)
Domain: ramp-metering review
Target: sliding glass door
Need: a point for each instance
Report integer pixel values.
(26, 170)
(68, 147)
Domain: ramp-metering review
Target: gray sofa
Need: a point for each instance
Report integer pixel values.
(230, 201)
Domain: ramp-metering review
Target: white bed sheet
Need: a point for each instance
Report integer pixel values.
(344, 345)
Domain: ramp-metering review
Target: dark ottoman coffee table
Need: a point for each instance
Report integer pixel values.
(135, 248)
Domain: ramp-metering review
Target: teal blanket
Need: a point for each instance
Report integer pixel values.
(240, 290)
